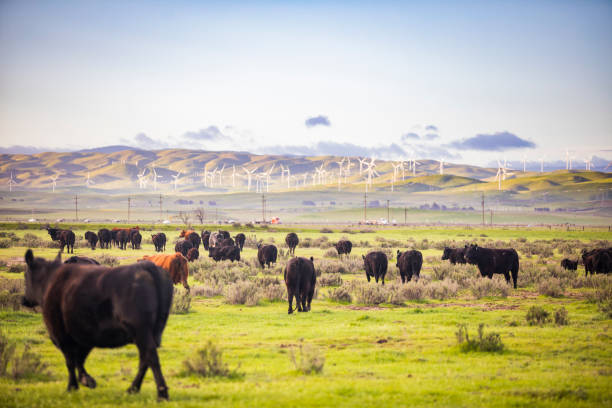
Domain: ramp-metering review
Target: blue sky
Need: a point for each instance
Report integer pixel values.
(468, 81)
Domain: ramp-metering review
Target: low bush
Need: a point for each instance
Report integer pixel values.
(550, 287)
(325, 231)
(483, 287)
(536, 315)
(307, 359)
(274, 292)
(5, 243)
(331, 253)
(329, 279)
(490, 342)
(27, 364)
(17, 268)
(181, 301)
(561, 317)
(370, 294)
(107, 260)
(341, 294)
(7, 350)
(208, 362)
(442, 289)
(207, 290)
(242, 293)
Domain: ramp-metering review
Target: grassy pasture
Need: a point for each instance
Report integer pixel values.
(375, 355)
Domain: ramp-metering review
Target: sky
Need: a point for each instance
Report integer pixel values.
(468, 81)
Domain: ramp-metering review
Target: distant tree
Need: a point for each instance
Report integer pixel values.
(185, 218)
(199, 213)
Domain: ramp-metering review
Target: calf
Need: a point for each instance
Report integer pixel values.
(292, 241)
(183, 246)
(375, 265)
(409, 264)
(92, 238)
(135, 239)
(300, 278)
(81, 260)
(266, 254)
(343, 247)
(569, 264)
(491, 261)
(175, 264)
(240, 238)
(87, 306)
(159, 240)
(454, 255)
(206, 239)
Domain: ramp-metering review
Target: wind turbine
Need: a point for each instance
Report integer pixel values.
(370, 170)
(54, 181)
(305, 175)
(233, 175)
(220, 172)
(249, 176)
(267, 174)
(340, 168)
(501, 174)
(588, 163)
(176, 178)
(155, 177)
(396, 168)
(541, 164)
(142, 182)
(89, 181)
(347, 172)
(524, 162)
(11, 182)
(442, 166)
(361, 163)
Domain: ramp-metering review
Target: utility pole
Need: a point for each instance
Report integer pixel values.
(161, 214)
(388, 219)
(405, 216)
(365, 206)
(491, 217)
(482, 202)
(76, 207)
(263, 208)
(129, 205)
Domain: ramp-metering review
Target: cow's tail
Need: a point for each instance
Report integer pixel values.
(515, 269)
(165, 290)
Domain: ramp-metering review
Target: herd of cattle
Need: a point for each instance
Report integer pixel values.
(85, 305)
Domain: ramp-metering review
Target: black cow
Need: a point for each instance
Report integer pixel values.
(135, 239)
(231, 253)
(122, 237)
(454, 255)
(343, 247)
(491, 261)
(224, 234)
(159, 240)
(292, 241)
(104, 236)
(81, 260)
(193, 237)
(301, 279)
(206, 239)
(569, 264)
(92, 238)
(266, 254)
(193, 254)
(66, 238)
(240, 238)
(183, 246)
(375, 265)
(87, 306)
(597, 260)
(226, 242)
(409, 264)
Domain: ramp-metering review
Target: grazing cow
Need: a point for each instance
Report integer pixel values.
(136, 239)
(409, 264)
(292, 241)
(159, 240)
(375, 265)
(266, 254)
(175, 264)
(569, 264)
(240, 238)
(104, 236)
(87, 306)
(226, 242)
(214, 239)
(231, 253)
(206, 239)
(81, 260)
(122, 238)
(191, 236)
(183, 246)
(66, 238)
(92, 238)
(491, 261)
(343, 247)
(597, 260)
(300, 278)
(454, 255)
(224, 234)
(193, 254)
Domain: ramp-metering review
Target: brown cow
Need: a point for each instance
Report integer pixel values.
(175, 264)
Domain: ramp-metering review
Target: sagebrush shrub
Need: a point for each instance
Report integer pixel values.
(329, 279)
(370, 294)
(550, 287)
(107, 260)
(490, 342)
(483, 287)
(242, 293)
(274, 292)
(340, 294)
(208, 362)
(331, 253)
(7, 350)
(207, 290)
(536, 315)
(27, 364)
(308, 359)
(181, 301)
(561, 317)
(442, 289)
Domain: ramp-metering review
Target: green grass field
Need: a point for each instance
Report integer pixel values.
(375, 355)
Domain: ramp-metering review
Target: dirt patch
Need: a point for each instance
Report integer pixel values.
(484, 306)
(355, 307)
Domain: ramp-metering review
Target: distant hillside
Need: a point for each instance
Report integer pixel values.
(117, 169)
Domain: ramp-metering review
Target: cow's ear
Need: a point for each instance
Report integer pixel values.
(58, 258)
(311, 259)
(363, 256)
(29, 257)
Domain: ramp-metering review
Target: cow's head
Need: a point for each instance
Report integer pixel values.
(472, 253)
(446, 253)
(38, 271)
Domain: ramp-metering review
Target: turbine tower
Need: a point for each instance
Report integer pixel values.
(89, 181)
(501, 174)
(176, 178)
(588, 163)
(54, 181)
(249, 176)
(11, 182)
(142, 182)
(361, 163)
(442, 166)
(155, 177)
(371, 171)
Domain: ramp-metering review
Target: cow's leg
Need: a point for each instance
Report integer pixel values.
(310, 295)
(142, 370)
(383, 279)
(507, 276)
(290, 295)
(402, 276)
(303, 299)
(73, 384)
(84, 377)
(368, 276)
(299, 298)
